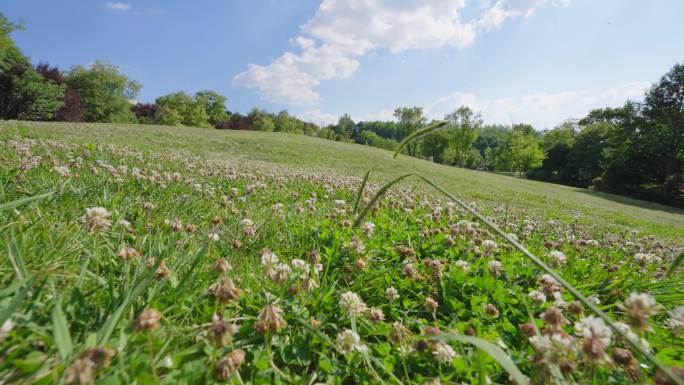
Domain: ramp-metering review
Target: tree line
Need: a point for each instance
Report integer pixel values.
(636, 149)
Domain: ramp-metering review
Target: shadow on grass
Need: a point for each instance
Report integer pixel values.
(625, 200)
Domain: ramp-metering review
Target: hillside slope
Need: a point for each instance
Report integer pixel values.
(554, 201)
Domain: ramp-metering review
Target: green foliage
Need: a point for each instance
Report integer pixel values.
(40, 99)
(104, 91)
(410, 120)
(370, 138)
(214, 104)
(465, 125)
(521, 151)
(262, 120)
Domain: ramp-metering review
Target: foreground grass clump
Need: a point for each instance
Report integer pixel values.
(168, 267)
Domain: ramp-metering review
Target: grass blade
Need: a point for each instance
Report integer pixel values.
(492, 350)
(188, 274)
(576, 293)
(359, 194)
(22, 292)
(15, 258)
(418, 134)
(19, 202)
(110, 324)
(61, 331)
(675, 264)
(377, 196)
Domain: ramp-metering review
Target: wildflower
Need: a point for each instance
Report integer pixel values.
(356, 244)
(216, 220)
(491, 310)
(376, 315)
(556, 259)
(280, 273)
(127, 253)
(662, 379)
(97, 218)
(84, 369)
(554, 320)
(538, 297)
(221, 331)
(638, 307)
(596, 337)
(392, 294)
(163, 271)
(410, 271)
(352, 304)
(431, 305)
(228, 365)
(314, 257)
(149, 206)
(214, 237)
(349, 342)
(495, 268)
(553, 349)
(177, 225)
(190, 228)
(548, 284)
(221, 266)
(148, 319)
(435, 267)
(225, 290)
(489, 246)
(463, 265)
(63, 171)
(443, 353)
(576, 308)
(368, 228)
(399, 332)
(310, 284)
(270, 319)
(676, 321)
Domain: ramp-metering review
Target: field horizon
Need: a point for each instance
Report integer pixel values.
(350, 159)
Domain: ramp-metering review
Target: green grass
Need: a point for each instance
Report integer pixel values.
(551, 200)
(185, 199)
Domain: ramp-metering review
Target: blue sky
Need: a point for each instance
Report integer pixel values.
(536, 61)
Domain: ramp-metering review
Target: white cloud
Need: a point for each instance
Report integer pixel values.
(342, 31)
(543, 109)
(117, 6)
(318, 117)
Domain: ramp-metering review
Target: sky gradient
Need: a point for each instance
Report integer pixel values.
(533, 61)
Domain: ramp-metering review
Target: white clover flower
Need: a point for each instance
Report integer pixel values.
(352, 304)
(537, 296)
(268, 259)
(392, 294)
(463, 265)
(318, 267)
(443, 352)
(300, 267)
(676, 321)
(556, 258)
(97, 218)
(63, 171)
(214, 237)
(349, 342)
(489, 245)
(631, 335)
(495, 267)
(594, 327)
(368, 228)
(638, 308)
(340, 203)
(247, 222)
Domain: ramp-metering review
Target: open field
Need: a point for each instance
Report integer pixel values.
(312, 153)
(189, 256)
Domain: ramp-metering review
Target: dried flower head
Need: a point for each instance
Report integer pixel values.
(676, 321)
(84, 370)
(127, 253)
(495, 268)
(491, 310)
(228, 365)
(596, 336)
(97, 218)
(270, 319)
(221, 331)
(443, 352)
(376, 315)
(556, 259)
(148, 319)
(225, 290)
(221, 266)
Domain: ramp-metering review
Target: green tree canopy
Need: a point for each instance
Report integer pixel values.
(106, 93)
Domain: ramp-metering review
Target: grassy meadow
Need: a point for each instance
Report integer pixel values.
(168, 255)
